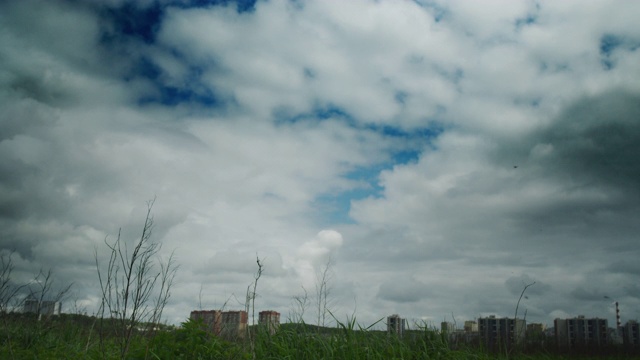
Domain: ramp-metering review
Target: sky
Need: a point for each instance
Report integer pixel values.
(438, 155)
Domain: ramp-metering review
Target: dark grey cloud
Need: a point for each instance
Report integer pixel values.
(632, 289)
(582, 294)
(402, 290)
(517, 284)
(595, 142)
(590, 144)
(625, 266)
(586, 159)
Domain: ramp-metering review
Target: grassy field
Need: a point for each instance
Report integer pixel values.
(84, 337)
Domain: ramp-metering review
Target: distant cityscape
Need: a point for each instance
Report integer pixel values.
(570, 332)
(490, 332)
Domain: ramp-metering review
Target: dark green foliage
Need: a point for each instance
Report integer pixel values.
(188, 342)
(78, 337)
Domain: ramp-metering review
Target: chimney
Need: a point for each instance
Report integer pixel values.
(617, 315)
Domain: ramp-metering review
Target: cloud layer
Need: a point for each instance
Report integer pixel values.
(440, 154)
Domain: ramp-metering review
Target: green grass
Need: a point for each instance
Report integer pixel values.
(82, 337)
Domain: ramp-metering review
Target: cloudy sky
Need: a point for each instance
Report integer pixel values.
(442, 154)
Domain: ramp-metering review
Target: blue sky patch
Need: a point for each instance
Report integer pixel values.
(194, 92)
(131, 21)
(401, 97)
(424, 134)
(436, 10)
(529, 19)
(336, 206)
(335, 209)
(169, 96)
(608, 44)
(309, 73)
(241, 5)
(135, 21)
(284, 115)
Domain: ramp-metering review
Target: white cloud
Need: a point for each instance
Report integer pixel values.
(529, 172)
(315, 255)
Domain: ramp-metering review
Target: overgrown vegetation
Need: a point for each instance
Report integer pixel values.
(135, 285)
(73, 337)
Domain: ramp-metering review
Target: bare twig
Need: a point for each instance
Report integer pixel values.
(251, 300)
(8, 289)
(134, 290)
(300, 303)
(8, 292)
(515, 316)
(323, 292)
(40, 290)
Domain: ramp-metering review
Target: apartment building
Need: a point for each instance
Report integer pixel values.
(496, 333)
(234, 324)
(396, 325)
(211, 319)
(631, 333)
(269, 319)
(581, 331)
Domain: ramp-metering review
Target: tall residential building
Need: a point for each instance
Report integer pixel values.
(470, 326)
(211, 319)
(234, 324)
(535, 334)
(580, 331)
(631, 333)
(396, 324)
(269, 319)
(43, 308)
(501, 332)
(536, 330)
(447, 327)
(31, 305)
